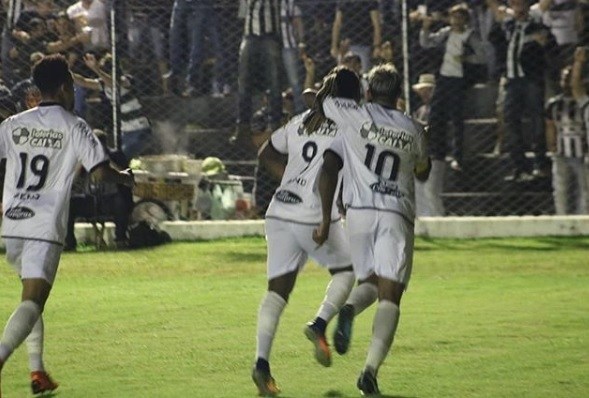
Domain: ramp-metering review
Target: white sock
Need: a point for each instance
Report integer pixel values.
(268, 316)
(362, 297)
(34, 343)
(336, 294)
(18, 327)
(384, 327)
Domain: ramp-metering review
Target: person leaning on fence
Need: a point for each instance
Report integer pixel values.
(524, 90)
(567, 115)
(36, 198)
(460, 43)
(259, 59)
(136, 133)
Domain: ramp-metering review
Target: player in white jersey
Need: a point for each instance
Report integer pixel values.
(380, 151)
(293, 153)
(43, 147)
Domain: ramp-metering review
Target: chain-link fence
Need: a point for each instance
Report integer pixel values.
(212, 76)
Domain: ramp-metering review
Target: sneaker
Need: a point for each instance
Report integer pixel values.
(520, 176)
(455, 165)
(367, 383)
(322, 352)
(265, 382)
(41, 382)
(343, 331)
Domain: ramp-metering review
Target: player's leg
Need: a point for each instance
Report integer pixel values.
(335, 255)
(362, 296)
(285, 259)
(360, 225)
(36, 263)
(40, 379)
(393, 249)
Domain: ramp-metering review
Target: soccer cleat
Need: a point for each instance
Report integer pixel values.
(322, 352)
(41, 383)
(367, 383)
(265, 382)
(343, 331)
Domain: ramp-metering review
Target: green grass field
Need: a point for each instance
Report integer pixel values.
(485, 318)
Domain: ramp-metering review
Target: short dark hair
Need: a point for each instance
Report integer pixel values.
(50, 73)
(384, 83)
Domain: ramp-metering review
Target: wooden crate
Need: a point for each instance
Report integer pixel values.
(164, 191)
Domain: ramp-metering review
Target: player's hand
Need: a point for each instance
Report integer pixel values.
(321, 233)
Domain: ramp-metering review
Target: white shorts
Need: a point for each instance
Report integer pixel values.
(32, 259)
(381, 242)
(290, 244)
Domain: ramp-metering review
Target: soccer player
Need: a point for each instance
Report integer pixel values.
(43, 146)
(293, 153)
(379, 150)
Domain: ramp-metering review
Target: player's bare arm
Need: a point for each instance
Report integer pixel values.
(274, 161)
(423, 169)
(332, 164)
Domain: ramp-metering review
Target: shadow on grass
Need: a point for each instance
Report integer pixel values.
(243, 257)
(339, 394)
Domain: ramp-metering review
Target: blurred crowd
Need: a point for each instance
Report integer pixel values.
(282, 48)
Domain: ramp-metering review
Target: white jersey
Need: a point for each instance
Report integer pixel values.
(297, 198)
(380, 148)
(43, 147)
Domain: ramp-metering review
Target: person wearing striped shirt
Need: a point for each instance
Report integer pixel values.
(291, 27)
(259, 59)
(524, 92)
(567, 115)
(136, 133)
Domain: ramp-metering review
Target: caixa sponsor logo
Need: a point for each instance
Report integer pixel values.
(19, 213)
(287, 197)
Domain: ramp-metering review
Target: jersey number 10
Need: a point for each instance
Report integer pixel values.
(381, 161)
(39, 166)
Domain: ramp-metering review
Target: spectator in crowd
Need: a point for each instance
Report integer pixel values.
(136, 133)
(460, 43)
(566, 134)
(25, 95)
(148, 22)
(359, 23)
(293, 45)
(524, 90)
(15, 33)
(36, 41)
(428, 199)
(92, 200)
(484, 24)
(90, 16)
(259, 60)
(192, 22)
(564, 19)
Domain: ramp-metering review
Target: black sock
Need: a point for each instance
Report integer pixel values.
(320, 324)
(263, 365)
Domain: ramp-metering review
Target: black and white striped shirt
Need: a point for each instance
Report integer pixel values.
(288, 11)
(262, 17)
(13, 10)
(570, 118)
(132, 114)
(518, 34)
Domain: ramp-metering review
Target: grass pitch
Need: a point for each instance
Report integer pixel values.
(485, 318)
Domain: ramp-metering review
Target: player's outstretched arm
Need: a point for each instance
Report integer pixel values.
(328, 178)
(105, 172)
(274, 161)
